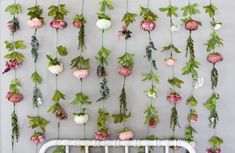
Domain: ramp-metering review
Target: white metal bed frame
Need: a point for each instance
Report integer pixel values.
(117, 143)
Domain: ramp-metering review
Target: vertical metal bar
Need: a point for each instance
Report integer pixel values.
(126, 149)
(86, 149)
(166, 149)
(66, 149)
(106, 149)
(146, 149)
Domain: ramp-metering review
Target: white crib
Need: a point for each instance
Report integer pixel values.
(117, 143)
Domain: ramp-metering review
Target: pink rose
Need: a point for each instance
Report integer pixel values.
(152, 122)
(58, 24)
(77, 24)
(126, 135)
(102, 135)
(193, 118)
(170, 61)
(14, 97)
(147, 25)
(212, 150)
(192, 25)
(215, 58)
(37, 138)
(81, 74)
(35, 23)
(174, 98)
(125, 71)
(10, 26)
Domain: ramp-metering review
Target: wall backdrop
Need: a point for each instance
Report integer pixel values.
(137, 99)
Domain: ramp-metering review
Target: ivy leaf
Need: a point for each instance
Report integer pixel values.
(102, 55)
(210, 104)
(129, 18)
(19, 44)
(210, 10)
(190, 68)
(213, 42)
(171, 10)
(103, 16)
(9, 46)
(36, 78)
(175, 82)
(62, 50)
(104, 4)
(14, 9)
(190, 9)
(38, 122)
(192, 101)
(52, 61)
(81, 99)
(14, 85)
(53, 108)
(57, 96)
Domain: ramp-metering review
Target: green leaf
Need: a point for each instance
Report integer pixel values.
(189, 131)
(35, 47)
(58, 12)
(210, 10)
(171, 47)
(129, 18)
(35, 12)
(175, 82)
(38, 122)
(174, 122)
(81, 99)
(151, 113)
(52, 61)
(104, 90)
(192, 101)
(13, 9)
(15, 130)
(190, 9)
(103, 117)
(62, 50)
(36, 78)
(14, 86)
(213, 42)
(171, 10)
(214, 77)
(191, 68)
(102, 55)
(9, 46)
(147, 14)
(80, 63)
(210, 104)
(53, 108)
(216, 141)
(127, 60)
(103, 16)
(151, 77)
(19, 44)
(58, 95)
(15, 56)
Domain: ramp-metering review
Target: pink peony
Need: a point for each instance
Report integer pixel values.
(147, 25)
(77, 24)
(126, 135)
(193, 118)
(125, 71)
(10, 26)
(58, 24)
(35, 23)
(170, 61)
(81, 74)
(11, 65)
(37, 138)
(174, 98)
(14, 97)
(191, 25)
(212, 150)
(152, 122)
(102, 135)
(215, 58)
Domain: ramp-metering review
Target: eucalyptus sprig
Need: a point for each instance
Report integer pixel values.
(58, 12)
(15, 134)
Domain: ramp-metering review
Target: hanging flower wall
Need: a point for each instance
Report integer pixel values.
(214, 57)
(103, 23)
(37, 123)
(191, 67)
(14, 60)
(55, 66)
(126, 64)
(175, 83)
(81, 66)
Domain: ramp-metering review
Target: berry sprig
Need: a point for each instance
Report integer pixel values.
(192, 65)
(103, 23)
(214, 57)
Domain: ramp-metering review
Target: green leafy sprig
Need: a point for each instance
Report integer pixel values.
(81, 99)
(38, 122)
(35, 12)
(147, 14)
(129, 18)
(189, 132)
(80, 63)
(127, 60)
(105, 4)
(214, 42)
(35, 47)
(15, 130)
(216, 142)
(170, 10)
(104, 90)
(103, 117)
(58, 12)
(13, 48)
(151, 113)
(190, 9)
(52, 61)
(14, 9)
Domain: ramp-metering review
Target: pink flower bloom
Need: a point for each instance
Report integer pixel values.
(14, 97)
(152, 122)
(77, 24)
(126, 135)
(81, 74)
(58, 24)
(147, 25)
(174, 98)
(10, 26)
(125, 71)
(215, 58)
(37, 138)
(193, 118)
(170, 61)
(212, 150)
(102, 135)
(192, 25)
(35, 23)
(11, 65)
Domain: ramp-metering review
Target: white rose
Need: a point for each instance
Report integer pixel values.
(217, 26)
(175, 28)
(103, 24)
(199, 82)
(81, 119)
(56, 69)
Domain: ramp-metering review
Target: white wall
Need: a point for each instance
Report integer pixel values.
(137, 100)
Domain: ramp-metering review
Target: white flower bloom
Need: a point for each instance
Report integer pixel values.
(217, 26)
(56, 69)
(175, 28)
(103, 24)
(199, 82)
(39, 101)
(81, 119)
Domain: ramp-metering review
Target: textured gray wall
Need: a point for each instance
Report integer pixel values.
(137, 100)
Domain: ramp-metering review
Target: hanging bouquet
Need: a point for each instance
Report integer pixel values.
(35, 17)
(54, 65)
(82, 66)
(79, 22)
(81, 118)
(148, 21)
(58, 13)
(126, 62)
(14, 95)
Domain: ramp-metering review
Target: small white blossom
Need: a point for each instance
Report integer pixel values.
(175, 28)
(39, 101)
(217, 26)
(199, 82)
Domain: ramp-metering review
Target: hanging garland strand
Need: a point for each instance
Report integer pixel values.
(36, 122)
(81, 66)
(104, 23)
(14, 61)
(192, 65)
(58, 13)
(214, 57)
(173, 97)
